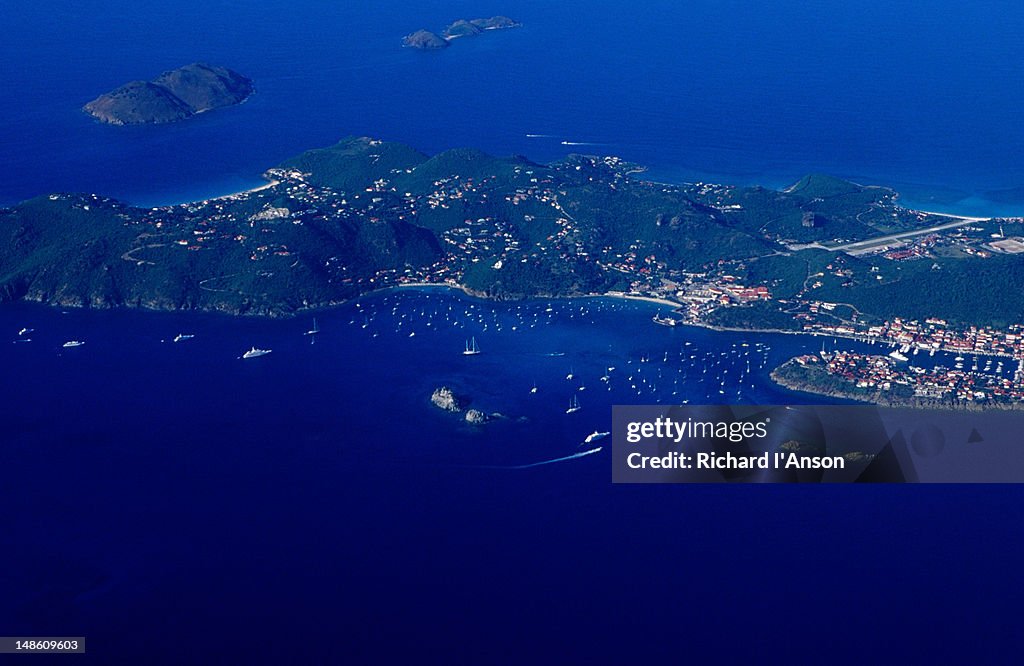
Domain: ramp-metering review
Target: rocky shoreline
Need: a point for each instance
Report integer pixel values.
(795, 377)
(174, 95)
(445, 399)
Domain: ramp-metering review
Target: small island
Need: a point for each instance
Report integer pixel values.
(425, 39)
(445, 399)
(174, 95)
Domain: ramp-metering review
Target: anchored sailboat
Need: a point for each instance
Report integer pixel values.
(574, 405)
(471, 348)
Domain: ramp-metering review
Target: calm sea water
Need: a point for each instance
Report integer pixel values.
(918, 95)
(177, 504)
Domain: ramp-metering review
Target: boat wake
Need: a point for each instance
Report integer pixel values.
(545, 462)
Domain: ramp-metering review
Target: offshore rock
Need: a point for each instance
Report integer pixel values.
(444, 398)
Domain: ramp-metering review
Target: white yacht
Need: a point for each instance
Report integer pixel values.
(73, 343)
(183, 336)
(255, 353)
(594, 436)
(574, 405)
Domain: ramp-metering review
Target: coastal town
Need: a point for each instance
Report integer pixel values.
(886, 380)
(365, 215)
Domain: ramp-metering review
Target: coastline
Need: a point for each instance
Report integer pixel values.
(776, 375)
(880, 398)
(321, 307)
(724, 180)
(231, 195)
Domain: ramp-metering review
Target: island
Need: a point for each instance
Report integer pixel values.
(174, 95)
(445, 399)
(466, 28)
(824, 256)
(425, 39)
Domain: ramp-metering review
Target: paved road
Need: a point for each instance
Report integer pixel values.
(857, 247)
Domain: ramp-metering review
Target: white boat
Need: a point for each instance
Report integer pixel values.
(897, 355)
(183, 336)
(255, 353)
(471, 348)
(594, 436)
(314, 330)
(574, 405)
(73, 343)
(533, 390)
(25, 331)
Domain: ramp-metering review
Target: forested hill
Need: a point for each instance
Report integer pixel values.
(363, 214)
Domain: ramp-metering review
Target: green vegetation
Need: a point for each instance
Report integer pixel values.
(174, 95)
(963, 291)
(816, 208)
(815, 379)
(757, 315)
(364, 214)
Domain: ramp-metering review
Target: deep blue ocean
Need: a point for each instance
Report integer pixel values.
(178, 505)
(919, 95)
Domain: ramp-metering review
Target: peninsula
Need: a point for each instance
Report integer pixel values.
(174, 95)
(880, 380)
